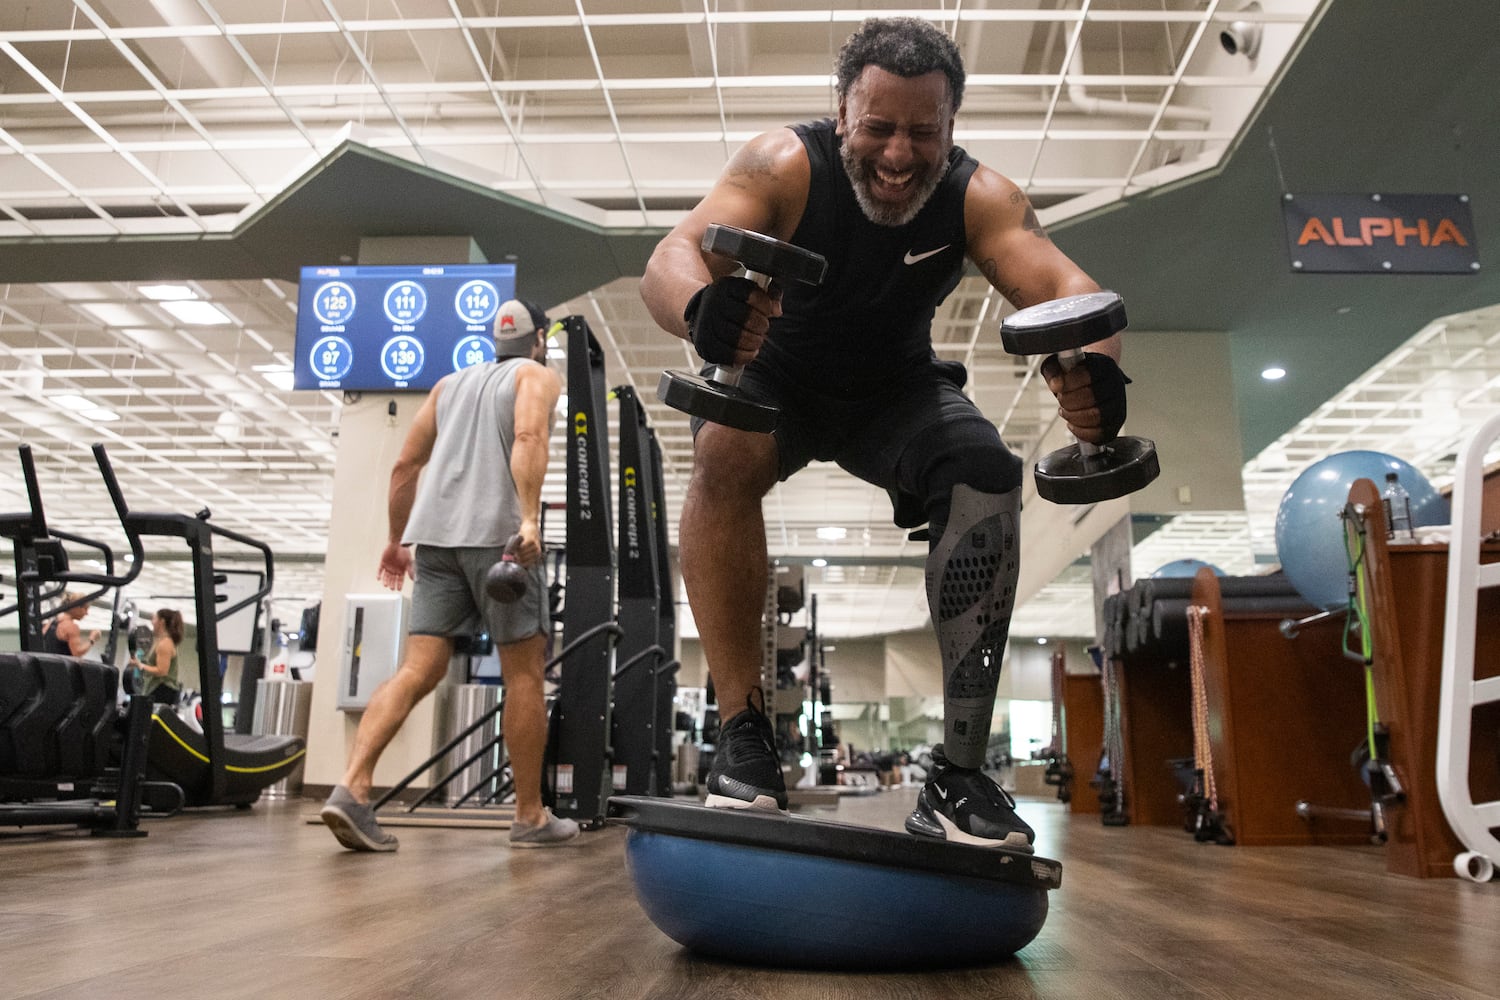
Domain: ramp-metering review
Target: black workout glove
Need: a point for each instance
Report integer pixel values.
(715, 316)
(1108, 383)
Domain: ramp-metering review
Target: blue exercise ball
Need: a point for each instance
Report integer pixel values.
(1184, 567)
(1309, 534)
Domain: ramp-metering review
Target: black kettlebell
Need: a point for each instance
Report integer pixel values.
(507, 580)
(141, 640)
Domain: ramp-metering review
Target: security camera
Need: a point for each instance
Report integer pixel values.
(1241, 38)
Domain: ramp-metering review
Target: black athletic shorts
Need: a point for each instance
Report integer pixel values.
(907, 437)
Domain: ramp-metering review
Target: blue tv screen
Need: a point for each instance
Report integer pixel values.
(378, 328)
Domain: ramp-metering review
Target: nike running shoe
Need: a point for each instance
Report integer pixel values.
(964, 805)
(746, 772)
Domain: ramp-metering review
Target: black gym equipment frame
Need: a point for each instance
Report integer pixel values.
(666, 632)
(213, 768)
(576, 780)
(641, 731)
(60, 711)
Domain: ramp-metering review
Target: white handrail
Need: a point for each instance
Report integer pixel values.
(1461, 692)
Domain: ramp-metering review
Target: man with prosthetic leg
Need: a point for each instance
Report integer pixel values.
(847, 365)
(971, 588)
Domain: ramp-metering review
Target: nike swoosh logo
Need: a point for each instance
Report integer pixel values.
(942, 792)
(913, 258)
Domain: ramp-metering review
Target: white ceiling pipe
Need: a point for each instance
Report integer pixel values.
(1078, 96)
(463, 109)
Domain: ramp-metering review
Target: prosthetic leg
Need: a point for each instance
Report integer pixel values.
(971, 589)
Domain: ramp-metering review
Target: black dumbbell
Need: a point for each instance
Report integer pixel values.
(507, 580)
(1081, 472)
(719, 399)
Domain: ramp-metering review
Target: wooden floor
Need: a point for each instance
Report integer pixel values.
(264, 905)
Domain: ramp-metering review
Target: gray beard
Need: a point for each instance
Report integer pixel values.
(879, 212)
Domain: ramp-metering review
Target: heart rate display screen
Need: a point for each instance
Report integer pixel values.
(374, 328)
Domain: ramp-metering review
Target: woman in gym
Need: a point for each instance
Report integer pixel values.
(156, 671)
(62, 634)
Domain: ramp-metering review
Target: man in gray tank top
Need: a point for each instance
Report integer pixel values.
(468, 479)
(897, 209)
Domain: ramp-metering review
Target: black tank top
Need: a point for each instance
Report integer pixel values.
(870, 321)
(51, 643)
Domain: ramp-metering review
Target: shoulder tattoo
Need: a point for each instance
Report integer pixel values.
(750, 165)
(1029, 222)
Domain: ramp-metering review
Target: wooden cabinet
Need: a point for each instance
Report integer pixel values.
(1083, 726)
(1284, 716)
(1408, 588)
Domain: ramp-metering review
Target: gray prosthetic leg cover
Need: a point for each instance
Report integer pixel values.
(971, 590)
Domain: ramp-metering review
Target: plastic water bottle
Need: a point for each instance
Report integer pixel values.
(1397, 510)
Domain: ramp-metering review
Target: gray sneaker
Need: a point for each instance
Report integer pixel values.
(553, 832)
(353, 823)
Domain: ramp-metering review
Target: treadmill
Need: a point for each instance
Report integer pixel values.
(213, 767)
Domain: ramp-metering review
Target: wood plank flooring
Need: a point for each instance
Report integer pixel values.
(264, 905)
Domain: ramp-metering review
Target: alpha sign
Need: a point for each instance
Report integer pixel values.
(1381, 233)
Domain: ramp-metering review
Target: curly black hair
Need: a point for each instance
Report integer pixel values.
(906, 46)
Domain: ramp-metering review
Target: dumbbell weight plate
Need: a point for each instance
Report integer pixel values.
(1063, 324)
(766, 255)
(1121, 467)
(715, 402)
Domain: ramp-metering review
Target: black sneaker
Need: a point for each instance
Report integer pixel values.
(746, 773)
(964, 805)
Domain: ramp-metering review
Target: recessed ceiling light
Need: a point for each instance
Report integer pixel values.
(167, 293)
(820, 562)
(833, 534)
(113, 314)
(283, 380)
(73, 401)
(1042, 641)
(1273, 373)
(99, 415)
(196, 312)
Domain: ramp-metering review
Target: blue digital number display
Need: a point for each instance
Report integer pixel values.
(331, 358)
(475, 350)
(477, 302)
(372, 328)
(333, 302)
(401, 359)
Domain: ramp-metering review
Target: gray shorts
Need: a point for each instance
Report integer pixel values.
(448, 597)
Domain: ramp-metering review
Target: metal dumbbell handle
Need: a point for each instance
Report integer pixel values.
(1067, 361)
(730, 374)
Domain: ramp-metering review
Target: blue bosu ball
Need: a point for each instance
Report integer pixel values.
(788, 902)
